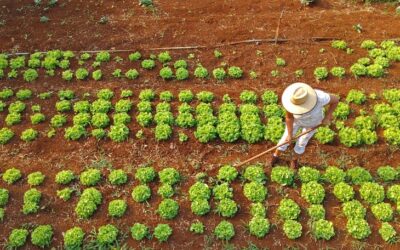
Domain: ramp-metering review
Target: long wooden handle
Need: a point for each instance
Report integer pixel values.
(275, 147)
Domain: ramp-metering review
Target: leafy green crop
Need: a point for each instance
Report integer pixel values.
(73, 238)
(321, 73)
(17, 238)
(323, 229)
(259, 226)
(292, 229)
(107, 235)
(141, 193)
(343, 192)
(224, 230)
(382, 211)
(372, 193)
(90, 177)
(162, 232)
(288, 209)
(139, 231)
(358, 228)
(117, 208)
(255, 191)
(388, 233)
(145, 174)
(316, 212)
(168, 209)
(313, 192)
(11, 175)
(282, 175)
(42, 236)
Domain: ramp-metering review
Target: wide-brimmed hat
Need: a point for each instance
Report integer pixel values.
(299, 98)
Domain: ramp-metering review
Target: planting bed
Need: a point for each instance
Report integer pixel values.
(171, 127)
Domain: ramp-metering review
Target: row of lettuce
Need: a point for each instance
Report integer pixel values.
(343, 185)
(229, 123)
(379, 58)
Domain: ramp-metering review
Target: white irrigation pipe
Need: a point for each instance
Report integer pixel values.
(256, 41)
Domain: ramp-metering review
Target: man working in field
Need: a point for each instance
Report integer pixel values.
(304, 109)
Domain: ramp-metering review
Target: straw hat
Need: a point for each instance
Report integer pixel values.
(299, 98)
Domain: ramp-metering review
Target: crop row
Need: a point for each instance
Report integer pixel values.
(342, 184)
(229, 122)
(374, 65)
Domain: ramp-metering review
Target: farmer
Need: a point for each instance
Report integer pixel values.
(304, 109)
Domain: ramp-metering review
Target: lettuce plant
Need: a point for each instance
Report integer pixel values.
(255, 191)
(65, 177)
(388, 233)
(227, 173)
(350, 137)
(169, 176)
(141, 193)
(65, 193)
(254, 173)
(375, 70)
(97, 75)
(42, 236)
(325, 135)
(282, 175)
(201, 72)
(292, 229)
(182, 74)
(219, 74)
(134, 56)
(4, 196)
(166, 73)
(316, 212)
(235, 72)
(307, 174)
(148, 64)
(313, 192)
(321, 73)
(139, 231)
(259, 226)
(197, 227)
(339, 72)
(164, 57)
(90, 177)
(199, 190)
(288, 209)
(81, 73)
(107, 235)
(227, 208)
(168, 209)
(162, 232)
(145, 174)
(387, 173)
(358, 70)
(117, 177)
(73, 238)
(58, 121)
(118, 133)
(17, 238)
(11, 175)
(117, 208)
(339, 44)
(343, 192)
(358, 175)
(224, 230)
(372, 193)
(342, 111)
(166, 191)
(358, 228)
(36, 178)
(323, 229)
(382, 211)
(258, 210)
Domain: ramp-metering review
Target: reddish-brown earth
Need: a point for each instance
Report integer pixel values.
(74, 25)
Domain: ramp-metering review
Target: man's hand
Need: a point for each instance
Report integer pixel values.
(289, 138)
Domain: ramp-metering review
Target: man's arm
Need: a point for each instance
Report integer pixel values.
(289, 124)
(334, 100)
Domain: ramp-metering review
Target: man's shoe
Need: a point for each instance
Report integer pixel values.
(293, 164)
(274, 160)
